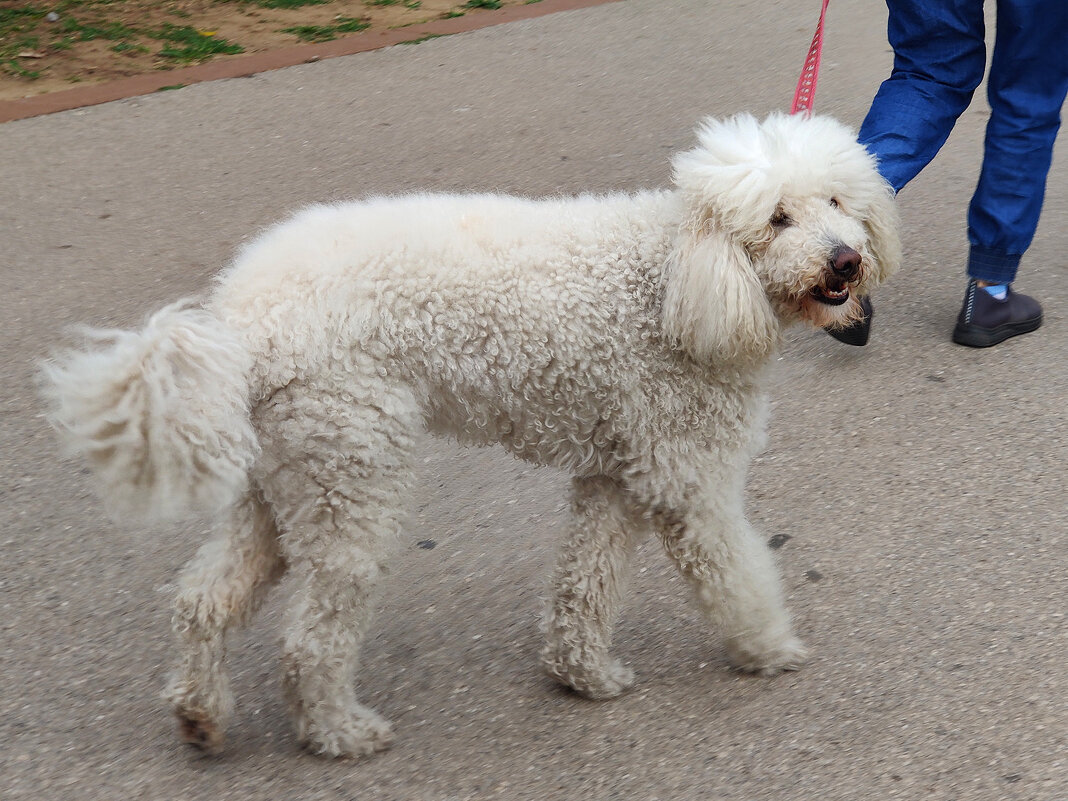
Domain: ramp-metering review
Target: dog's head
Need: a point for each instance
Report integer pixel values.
(785, 220)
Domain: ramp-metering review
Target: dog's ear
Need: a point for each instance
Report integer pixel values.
(883, 239)
(715, 307)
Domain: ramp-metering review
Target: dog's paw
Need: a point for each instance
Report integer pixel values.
(767, 660)
(199, 731)
(362, 734)
(606, 680)
(202, 712)
(613, 681)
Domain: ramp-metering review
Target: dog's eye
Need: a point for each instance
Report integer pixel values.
(780, 219)
(834, 202)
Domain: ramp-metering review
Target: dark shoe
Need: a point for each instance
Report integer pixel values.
(984, 320)
(855, 333)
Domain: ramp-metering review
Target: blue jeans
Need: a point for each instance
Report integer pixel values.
(939, 59)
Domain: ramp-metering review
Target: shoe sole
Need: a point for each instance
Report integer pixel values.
(857, 333)
(975, 337)
(850, 336)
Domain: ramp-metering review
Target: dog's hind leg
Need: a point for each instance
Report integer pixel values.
(735, 579)
(223, 584)
(340, 459)
(588, 586)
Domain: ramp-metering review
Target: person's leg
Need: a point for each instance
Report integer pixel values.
(939, 58)
(1026, 88)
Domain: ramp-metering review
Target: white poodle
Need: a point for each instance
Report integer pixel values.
(620, 337)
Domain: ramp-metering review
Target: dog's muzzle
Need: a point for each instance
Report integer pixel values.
(843, 270)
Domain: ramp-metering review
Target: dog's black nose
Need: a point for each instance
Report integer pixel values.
(845, 262)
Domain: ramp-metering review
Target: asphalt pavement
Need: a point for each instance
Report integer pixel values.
(915, 488)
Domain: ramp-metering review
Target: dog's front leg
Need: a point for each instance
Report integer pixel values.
(587, 589)
(736, 581)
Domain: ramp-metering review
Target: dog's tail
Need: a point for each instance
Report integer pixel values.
(161, 414)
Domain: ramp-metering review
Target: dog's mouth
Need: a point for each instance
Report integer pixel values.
(833, 293)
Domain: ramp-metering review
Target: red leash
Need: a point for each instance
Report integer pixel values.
(810, 73)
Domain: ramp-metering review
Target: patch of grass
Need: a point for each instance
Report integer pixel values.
(88, 32)
(15, 27)
(171, 88)
(12, 18)
(324, 33)
(185, 44)
(15, 68)
(26, 29)
(127, 47)
(29, 43)
(55, 37)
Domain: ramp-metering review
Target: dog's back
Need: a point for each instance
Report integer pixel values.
(511, 320)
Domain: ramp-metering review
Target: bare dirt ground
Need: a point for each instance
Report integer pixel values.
(50, 46)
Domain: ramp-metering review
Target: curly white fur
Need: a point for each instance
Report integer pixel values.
(620, 337)
(162, 414)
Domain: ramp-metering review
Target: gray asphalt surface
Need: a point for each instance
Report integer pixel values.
(921, 484)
